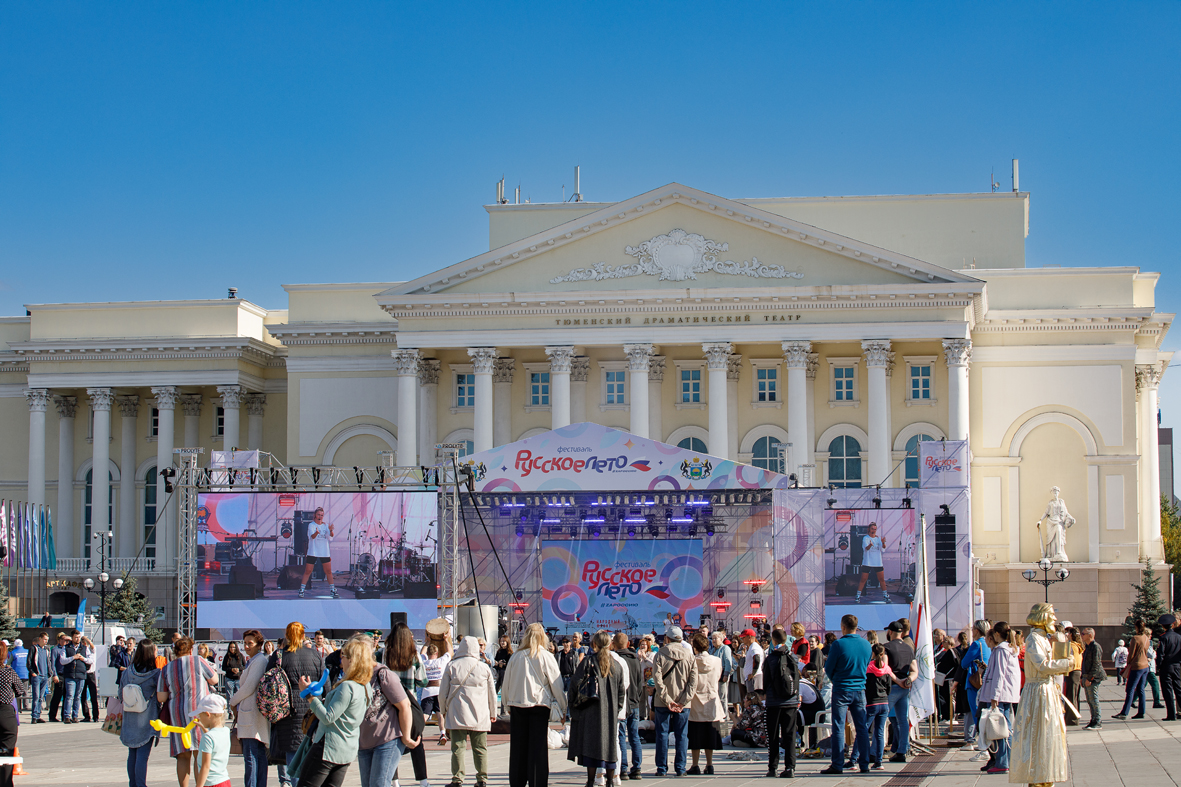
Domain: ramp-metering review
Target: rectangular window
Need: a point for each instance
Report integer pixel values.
(843, 383)
(154, 430)
(920, 382)
(150, 516)
(767, 382)
(219, 423)
(465, 390)
(538, 388)
(616, 381)
(691, 386)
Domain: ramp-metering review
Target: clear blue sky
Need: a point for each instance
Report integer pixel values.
(159, 151)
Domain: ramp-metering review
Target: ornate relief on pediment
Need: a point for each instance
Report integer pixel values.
(678, 256)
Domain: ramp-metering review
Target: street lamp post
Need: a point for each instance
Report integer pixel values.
(1046, 565)
(103, 578)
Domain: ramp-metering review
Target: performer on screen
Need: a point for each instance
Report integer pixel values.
(871, 561)
(319, 548)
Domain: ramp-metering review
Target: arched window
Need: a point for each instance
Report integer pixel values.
(468, 447)
(766, 454)
(150, 516)
(86, 531)
(692, 444)
(912, 458)
(844, 462)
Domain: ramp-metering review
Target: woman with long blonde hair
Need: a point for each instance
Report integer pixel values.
(336, 740)
(532, 686)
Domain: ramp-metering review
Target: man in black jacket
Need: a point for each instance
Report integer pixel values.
(73, 664)
(567, 663)
(781, 681)
(1168, 665)
(1093, 675)
(629, 726)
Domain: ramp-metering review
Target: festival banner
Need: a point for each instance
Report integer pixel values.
(4, 540)
(943, 464)
(633, 586)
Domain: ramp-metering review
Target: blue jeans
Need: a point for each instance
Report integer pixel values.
(875, 722)
(1135, 690)
(1004, 745)
(40, 686)
(137, 765)
(377, 765)
(678, 725)
(290, 756)
(629, 734)
(254, 758)
(73, 692)
(853, 701)
(900, 705)
(231, 687)
(970, 717)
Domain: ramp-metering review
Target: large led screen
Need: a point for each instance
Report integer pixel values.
(621, 585)
(330, 560)
(869, 565)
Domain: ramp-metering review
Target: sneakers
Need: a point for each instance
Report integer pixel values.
(980, 757)
(998, 770)
(301, 592)
(887, 595)
(856, 598)
(424, 783)
(1093, 726)
(786, 773)
(335, 594)
(898, 758)
(1120, 716)
(634, 774)
(600, 780)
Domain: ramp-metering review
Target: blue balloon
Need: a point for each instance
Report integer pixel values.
(317, 688)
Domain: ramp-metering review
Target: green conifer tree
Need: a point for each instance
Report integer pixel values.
(130, 606)
(1148, 604)
(7, 619)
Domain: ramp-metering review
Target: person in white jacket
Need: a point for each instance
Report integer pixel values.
(254, 729)
(467, 700)
(1001, 689)
(532, 684)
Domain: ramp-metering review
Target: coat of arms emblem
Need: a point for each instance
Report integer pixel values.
(696, 469)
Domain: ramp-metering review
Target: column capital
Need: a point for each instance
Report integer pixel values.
(405, 362)
(100, 398)
(484, 359)
(813, 365)
(876, 353)
(167, 397)
(733, 368)
(128, 405)
(795, 354)
(958, 352)
(256, 404)
(191, 404)
(428, 371)
(656, 369)
(67, 406)
(639, 356)
(560, 359)
(579, 369)
(38, 399)
(1148, 376)
(502, 370)
(231, 396)
(890, 363)
(717, 354)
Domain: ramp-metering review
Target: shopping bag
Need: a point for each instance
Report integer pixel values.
(113, 723)
(553, 740)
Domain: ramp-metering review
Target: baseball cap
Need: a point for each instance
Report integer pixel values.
(726, 642)
(674, 633)
(895, 626)
(747, 633)
(212, 703)
(1066, 624)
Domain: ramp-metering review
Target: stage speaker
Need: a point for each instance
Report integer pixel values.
(945, 557)
(855, 534)
(367, 593)
(420, 590)
(233, 592)
(290, 577)
(247, 574)
(396, 618)
(299, 521)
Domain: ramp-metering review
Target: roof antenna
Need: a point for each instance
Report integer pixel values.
(577, 195)
(518, 197)
(992, 179)
(1016, 179)
(500, 200)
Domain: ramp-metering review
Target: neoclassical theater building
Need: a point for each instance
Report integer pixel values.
(850, 328)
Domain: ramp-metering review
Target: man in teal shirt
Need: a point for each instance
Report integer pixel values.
(845, 666)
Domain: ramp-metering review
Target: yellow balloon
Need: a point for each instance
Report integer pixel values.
(165, 730)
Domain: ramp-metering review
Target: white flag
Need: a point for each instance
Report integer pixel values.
(922, 691)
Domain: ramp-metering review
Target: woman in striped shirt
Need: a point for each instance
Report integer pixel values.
(186, 681)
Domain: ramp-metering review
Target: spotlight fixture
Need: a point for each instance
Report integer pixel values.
(946, 509)
(520, 531)
(709, 529)
(906, 499)
(795, 482)
(596, 531)
(877, 497)
(631, 531)
(721, 592)
(832, 500)
(692, 531)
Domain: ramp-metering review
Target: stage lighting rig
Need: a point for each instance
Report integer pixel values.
(877, 496)
(832, 500)
(906, 500)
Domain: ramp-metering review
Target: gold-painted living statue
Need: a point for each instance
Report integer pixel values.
(1039, 730)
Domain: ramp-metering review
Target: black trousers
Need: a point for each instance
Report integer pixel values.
(55, 699)
(781, 731)
(90, 695)
(528, 749)
(317, 773)
(8, 727)
(418, 758)
(1170, 685)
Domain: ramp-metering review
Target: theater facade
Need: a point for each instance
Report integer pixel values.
(820, 337)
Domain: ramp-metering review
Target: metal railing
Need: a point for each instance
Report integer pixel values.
(117, 566)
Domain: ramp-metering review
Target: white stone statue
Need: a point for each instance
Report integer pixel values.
(1057, 519)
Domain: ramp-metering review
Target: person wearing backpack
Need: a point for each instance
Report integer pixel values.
(254, 729)
(781, 681)
(293, 661)
(137, 689)
(388, 728)
(400, 654)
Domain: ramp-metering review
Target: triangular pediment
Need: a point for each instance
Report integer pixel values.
(674, 238)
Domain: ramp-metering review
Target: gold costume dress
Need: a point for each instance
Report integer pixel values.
(1039, 729)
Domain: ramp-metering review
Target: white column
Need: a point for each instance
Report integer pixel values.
(877, 358)
(66, 535)
(502, 400)
(579, 371)
(38, 399)
(560, 362)
(126, 541)
(100, 485)
(256, 405)
(894, 469)
(717, 358)
(795, 358)
(813, 365)
(167, 521)
(655, 388)
(958, 353)
(733, 369)
(483, 363)
(231, 404)
(1148, 381)
(639, 361)
(406, 367)
(192, 410)
(428, 404)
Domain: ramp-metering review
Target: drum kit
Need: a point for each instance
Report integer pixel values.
(395, 564)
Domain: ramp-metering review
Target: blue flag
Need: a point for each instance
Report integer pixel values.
(50, 549)
(81, 617)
